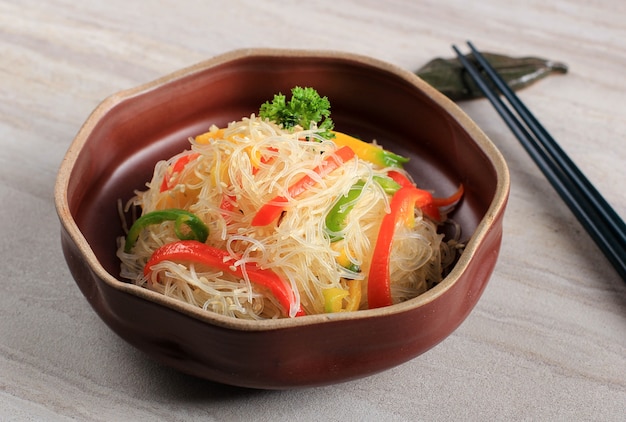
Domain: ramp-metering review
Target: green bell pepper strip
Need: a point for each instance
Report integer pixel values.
(196, 229)
(336, 217)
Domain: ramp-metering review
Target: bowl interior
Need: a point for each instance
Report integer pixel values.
(145, 125)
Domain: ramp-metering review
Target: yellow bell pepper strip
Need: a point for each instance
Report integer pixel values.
(270, 211)
(354, 300)
(402, 206)
(196, 229)
(196, 252)
(343, 259)
(369, 152)
(333, 299)
(337, 299)
(172, 175)
(336, 217)
(211, 134)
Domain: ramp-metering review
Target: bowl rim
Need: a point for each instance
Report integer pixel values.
(482, 141)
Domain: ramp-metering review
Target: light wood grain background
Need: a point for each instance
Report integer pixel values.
(547, 340)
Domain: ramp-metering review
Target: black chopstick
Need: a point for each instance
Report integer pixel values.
(598, 218)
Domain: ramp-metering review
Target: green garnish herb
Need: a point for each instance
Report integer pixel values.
(304, 107)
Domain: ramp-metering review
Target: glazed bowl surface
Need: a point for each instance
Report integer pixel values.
(114, 154)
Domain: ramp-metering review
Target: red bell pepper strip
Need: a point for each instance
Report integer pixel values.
(399, 178)
(201, 253)
(227, 203)
(450, 200)
(432, 209)
(272, 210)
(402, 205)
(170, 179)
(264, 160)
(429, 208)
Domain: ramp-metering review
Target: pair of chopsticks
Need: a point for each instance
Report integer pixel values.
(594, 213)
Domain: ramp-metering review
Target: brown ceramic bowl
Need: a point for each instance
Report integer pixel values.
(116, 149)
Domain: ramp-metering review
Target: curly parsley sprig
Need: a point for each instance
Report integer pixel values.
(304, 107)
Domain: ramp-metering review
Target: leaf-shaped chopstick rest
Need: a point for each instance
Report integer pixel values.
(449, 76)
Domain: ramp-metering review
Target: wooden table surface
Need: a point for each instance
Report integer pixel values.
(547, 341)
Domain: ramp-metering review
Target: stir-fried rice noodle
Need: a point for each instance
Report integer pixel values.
(248, 164)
